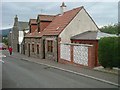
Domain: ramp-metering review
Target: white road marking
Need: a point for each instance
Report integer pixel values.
(2, 61)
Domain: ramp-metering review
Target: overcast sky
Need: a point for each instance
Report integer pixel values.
(103, 13)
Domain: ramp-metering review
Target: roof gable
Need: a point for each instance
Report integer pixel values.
(32, 21)
(45, 17)
(60, 22)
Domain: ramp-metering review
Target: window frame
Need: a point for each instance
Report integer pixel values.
(32, 47)
(50, 46)
(38, 52)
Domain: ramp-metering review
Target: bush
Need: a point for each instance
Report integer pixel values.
(108, 52)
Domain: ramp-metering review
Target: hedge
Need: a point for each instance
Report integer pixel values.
(109, 52)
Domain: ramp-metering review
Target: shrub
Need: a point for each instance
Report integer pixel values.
(108, 52)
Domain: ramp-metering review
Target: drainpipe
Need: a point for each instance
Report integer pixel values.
(57, 48)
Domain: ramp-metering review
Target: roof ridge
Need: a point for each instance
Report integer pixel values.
(74, 9)
(45, 15)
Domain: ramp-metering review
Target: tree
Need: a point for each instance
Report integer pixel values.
(5, 40)
(111, 29)
(108, 52)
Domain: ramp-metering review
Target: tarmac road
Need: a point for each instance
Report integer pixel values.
(17, 73)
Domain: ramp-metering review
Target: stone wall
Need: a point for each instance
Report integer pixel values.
(51, 55)
(35, 41)
(14, 42)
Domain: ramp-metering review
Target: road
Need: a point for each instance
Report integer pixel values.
(18, 73)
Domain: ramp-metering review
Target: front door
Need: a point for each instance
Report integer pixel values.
(29, 50)
(23, 49)
(44, 49)
(18, 47)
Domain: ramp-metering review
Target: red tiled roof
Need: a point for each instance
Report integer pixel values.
(57, 25)
(34, 34)
(32, 21)
(46, 17)
(60, 22)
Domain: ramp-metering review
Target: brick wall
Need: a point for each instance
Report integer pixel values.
(33, 27)
(82, 55)
(35, 42)
(95, 47)
(43, 25)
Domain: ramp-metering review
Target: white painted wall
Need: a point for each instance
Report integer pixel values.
(21, 35)
(81, 23)
(80, 55)
(65, 52)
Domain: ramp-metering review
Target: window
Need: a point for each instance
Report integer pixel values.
(50, 45)
(32, 47)
(37, 49)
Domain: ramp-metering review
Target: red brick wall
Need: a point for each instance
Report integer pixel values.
(33, 27)
(43, 25)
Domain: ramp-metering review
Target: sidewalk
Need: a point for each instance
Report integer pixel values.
(91, 73)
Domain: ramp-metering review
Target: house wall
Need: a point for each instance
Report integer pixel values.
(43, 25)
(94, 49)
(35, 41)
(80, 55)
(33, 27)
(50, 55)
(81, 23)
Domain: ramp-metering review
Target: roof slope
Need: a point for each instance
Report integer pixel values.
(89, 35)
(92, 35)
(32, 21)
(46, 17)
(60, 22)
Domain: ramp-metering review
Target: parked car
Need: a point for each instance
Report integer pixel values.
(3, 46)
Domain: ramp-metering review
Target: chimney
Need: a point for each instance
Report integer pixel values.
(63, 7)
(16, 21)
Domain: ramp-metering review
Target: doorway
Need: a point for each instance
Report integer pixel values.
(28, 50)
(43, 48)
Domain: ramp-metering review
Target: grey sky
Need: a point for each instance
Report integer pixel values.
(103, 13)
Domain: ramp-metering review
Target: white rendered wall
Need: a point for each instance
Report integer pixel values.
(81, 23)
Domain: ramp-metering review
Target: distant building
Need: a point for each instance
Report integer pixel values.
(16, 36)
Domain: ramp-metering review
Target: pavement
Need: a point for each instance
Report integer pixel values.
(97, 73)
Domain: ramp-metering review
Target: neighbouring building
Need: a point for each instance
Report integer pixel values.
(51, 37)
(17, 34)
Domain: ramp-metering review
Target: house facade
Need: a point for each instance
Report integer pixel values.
(53, 30)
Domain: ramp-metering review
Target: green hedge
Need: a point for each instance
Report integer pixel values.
(109, 52)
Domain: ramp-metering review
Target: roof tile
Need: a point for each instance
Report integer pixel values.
(60, 22)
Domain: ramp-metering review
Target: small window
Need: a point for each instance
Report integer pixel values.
(32, 47)
(50, 45)
(37, 49)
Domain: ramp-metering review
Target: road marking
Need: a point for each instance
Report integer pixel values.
(2, 61)
(102, 80)
(2, 55)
